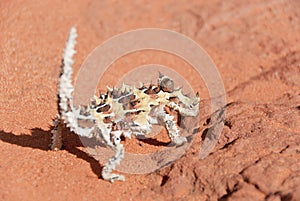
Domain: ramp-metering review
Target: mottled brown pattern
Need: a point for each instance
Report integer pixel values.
(256, 48)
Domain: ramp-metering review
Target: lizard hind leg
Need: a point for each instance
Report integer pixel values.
(115, 160)
(56, 143)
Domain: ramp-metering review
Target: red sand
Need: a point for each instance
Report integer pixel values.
(256, 48)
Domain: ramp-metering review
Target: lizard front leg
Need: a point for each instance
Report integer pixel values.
(171, 127)
(173, 130)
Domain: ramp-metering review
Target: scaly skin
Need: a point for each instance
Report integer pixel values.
(126, 111)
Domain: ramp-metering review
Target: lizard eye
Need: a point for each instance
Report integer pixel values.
(191, 106)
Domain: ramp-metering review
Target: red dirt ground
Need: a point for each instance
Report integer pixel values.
(256, 48)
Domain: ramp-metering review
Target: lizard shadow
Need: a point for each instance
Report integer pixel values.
(40, 139)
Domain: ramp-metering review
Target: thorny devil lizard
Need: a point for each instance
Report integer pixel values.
(125, 111)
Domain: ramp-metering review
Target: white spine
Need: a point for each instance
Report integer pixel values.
(65, 87)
